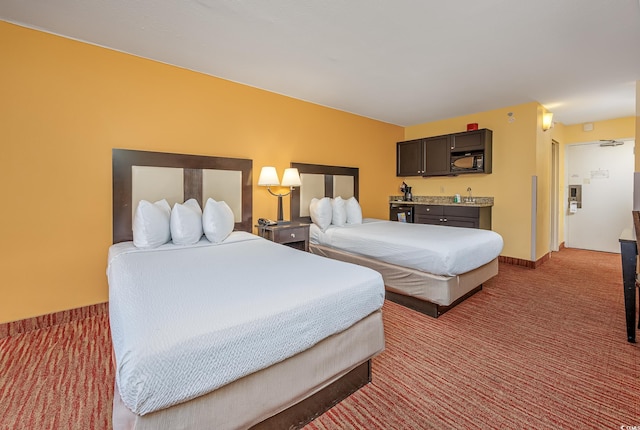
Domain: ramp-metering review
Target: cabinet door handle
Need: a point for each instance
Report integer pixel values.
(445, 220)
(293, 235)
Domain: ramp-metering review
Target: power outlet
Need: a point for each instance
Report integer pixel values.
(441, 189)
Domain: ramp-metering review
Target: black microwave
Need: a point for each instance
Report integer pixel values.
(467, 162)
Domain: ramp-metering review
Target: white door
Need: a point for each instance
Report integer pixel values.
(606, 176)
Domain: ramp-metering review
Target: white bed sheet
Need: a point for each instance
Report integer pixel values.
(186, 320)
(440, 250)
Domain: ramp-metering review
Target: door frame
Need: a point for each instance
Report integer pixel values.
(554, 243)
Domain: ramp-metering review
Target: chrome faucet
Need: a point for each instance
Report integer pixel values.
(470, 198)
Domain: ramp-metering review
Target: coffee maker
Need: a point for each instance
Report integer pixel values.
(407, 192)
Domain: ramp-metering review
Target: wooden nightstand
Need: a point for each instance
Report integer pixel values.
(293, 234)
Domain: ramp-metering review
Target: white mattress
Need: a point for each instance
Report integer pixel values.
(440, 250)
(188, 320)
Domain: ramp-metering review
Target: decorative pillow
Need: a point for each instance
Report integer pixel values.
(339, 216)
(151, 224)
(321, 212)
(186, 223)
(217, 221)
(354, 211)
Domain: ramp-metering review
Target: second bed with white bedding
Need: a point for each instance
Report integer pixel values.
(222, 317)
(439, 250)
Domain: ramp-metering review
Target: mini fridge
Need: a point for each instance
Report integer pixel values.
(402, 213)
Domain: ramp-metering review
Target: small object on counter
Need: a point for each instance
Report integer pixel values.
(472, 126)
(407, 192)
(456, 198)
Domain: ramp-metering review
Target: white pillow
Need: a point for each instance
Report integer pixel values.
(186, 223)
(217, 221)
(321, 212)
(354, 211)
(151, 224)
(339, 216)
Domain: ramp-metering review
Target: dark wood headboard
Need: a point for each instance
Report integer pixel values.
(329, 172)
(193, 165)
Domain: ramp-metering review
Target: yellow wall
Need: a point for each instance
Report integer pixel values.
(64, 105)
(556, 134)
(619, 128)
(543, 188)
(514, 164)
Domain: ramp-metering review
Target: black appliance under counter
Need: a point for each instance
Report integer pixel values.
(401, 211)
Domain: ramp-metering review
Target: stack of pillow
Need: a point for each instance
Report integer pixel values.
(337, 211)
(155, 224)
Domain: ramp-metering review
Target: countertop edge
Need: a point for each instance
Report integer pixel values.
(441, 201)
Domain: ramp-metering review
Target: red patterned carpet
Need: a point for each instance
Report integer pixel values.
(535, 349)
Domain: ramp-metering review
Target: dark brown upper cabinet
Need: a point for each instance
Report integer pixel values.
(437, 155)
(410, 159)
(476, 140)
(450, 154)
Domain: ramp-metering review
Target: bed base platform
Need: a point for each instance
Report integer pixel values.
(425, 307)
(312, 407)
(424, 292)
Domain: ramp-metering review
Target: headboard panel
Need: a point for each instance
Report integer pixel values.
(194, 175)
(322, 181)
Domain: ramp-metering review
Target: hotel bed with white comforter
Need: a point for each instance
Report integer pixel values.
(230, 310)
(429, 268)
(446, 251)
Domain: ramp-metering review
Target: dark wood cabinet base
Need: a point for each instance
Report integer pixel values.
(453, 216)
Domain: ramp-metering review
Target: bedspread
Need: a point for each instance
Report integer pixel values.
(187, 320)
(435, 249)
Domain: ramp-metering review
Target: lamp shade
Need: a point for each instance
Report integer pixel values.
(291, 178)
(268, 176)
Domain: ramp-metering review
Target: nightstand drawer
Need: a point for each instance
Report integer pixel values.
(290, 235)
(293, 234)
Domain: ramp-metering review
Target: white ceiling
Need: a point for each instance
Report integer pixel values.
(404, 62)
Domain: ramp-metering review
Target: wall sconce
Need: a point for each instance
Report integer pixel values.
(269, 178)
(547, 121)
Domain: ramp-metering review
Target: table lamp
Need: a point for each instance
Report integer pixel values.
(269, 178)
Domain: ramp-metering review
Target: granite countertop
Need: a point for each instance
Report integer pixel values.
(443, 200)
